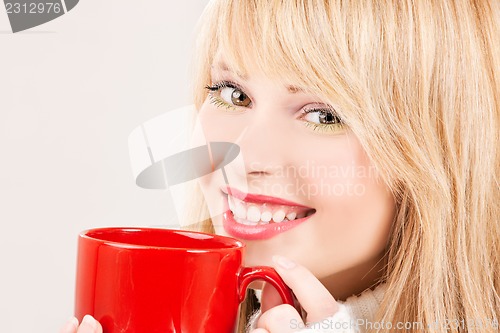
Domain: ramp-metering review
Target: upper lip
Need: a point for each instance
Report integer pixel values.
(259, 198)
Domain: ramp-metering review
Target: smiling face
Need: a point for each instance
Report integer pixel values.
(305, 188)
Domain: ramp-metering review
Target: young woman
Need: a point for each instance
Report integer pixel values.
(369, 132)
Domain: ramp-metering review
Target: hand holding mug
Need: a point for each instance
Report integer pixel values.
(316, 300)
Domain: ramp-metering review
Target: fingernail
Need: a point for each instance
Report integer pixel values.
(73, 322)
(70, 326)
(284, 262)
(90, 321)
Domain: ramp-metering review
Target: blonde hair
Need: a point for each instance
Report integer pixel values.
(418, 82)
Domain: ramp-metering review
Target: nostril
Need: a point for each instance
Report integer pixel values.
(258, 169)
(258, 173)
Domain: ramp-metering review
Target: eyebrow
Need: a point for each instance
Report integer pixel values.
(294, 89)
(221, 65)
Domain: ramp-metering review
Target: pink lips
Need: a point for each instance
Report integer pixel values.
(260, 231)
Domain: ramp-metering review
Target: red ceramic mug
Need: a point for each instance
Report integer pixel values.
(149, 280)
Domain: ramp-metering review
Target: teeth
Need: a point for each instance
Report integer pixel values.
(250, 214)
(240, 210)
(266, 216)
(253, 214)
(243, 221)
(279, 216)
(232, 205)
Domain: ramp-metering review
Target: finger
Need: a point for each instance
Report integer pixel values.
(89, 325)
(281, 319)
(270, 298)
(70, 327)
(310, 292)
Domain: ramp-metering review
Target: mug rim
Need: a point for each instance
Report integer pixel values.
(232, 243)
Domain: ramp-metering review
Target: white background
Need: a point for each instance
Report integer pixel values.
(71, 91)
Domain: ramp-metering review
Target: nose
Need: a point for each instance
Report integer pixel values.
(263, 144)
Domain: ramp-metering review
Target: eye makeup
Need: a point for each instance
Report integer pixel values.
(230, 96)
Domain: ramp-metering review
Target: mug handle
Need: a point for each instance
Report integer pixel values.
(268, 274)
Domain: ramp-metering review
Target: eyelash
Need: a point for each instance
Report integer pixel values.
(217, 100)
(321, 128)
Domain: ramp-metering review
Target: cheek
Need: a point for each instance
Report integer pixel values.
(218, 125)
(355, 208)
(334, 169)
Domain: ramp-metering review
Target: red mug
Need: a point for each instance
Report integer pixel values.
(150, 280)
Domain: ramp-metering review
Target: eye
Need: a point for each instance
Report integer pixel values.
(323, 120)
(234, 96)
(322, 116)
(228, 94)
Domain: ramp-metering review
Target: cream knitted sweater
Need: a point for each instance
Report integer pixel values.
(356, 313)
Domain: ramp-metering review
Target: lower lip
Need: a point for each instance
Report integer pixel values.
(255, 232)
